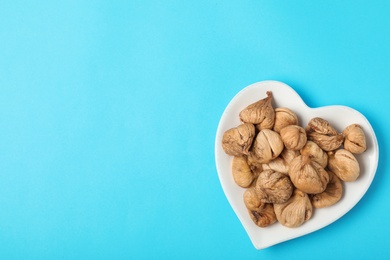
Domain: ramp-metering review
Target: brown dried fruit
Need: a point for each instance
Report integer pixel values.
(344, 164)
(237, 141)
(283, 118)
(267, 146)
(321, 126)
(322, 133)
(273, 187)
(264, 215)
(282, 162)
(253, 163)
(308, 175)
(327, 143)
(331, 195)
(260, 113)
(251, 199)
(278, 164)
(241, 171)
(288, 155)
(355, 139)
(295, 211)
(293, 137)
(315, 153)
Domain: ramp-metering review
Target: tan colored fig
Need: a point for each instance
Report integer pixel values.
(252, 199)
(315, 153)
(278, 164)
(322, 133)
(267, 146)
(276, 187)
(260, 113)
(331, 195)
(296, 211)
(308, 175)
(293, 137)
(264, 215)
(321, 126)
(288, 155)
(327, 143)
(241, 171)
(344, 164)
(237, 141)
(283, 118)
(355, 139)
(254, 165)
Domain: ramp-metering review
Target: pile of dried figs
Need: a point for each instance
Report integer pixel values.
(288, 170)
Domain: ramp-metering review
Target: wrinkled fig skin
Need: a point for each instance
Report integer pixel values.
(308, 175)
(344, 164)
(315, 153)
(293, 137)
(254, 165)
(321, 126)
(322, 133)
(283, 118)
(296, 211)
(327, 143)
(267, 146)
(251, 199)
(264, 215)
(276, 187)
(355, 139)
(278, 165)
(288, 155)
(241, 171)
(237, 141)
(260, 113)
(331, 195)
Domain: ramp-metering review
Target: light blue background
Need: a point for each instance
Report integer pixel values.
(109, 110)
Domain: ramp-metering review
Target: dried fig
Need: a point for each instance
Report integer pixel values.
(278, 164)
(237, 141)
(308, 175)
(321, 126)
(253, 162)
(251, 199)
(327, 143)
(274, 187)
(355, 139)
(241, 171)
(260, 113)
(288, 155)
(344, 164)
(315, 153)
(322, 133)
(283, 118)
(331, 195)
(295, 211)
(264, 215)
(267, 146)
(293, 137)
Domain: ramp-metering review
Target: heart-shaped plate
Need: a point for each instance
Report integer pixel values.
(338, 116)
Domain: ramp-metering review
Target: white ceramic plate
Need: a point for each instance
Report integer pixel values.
(338, 116)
